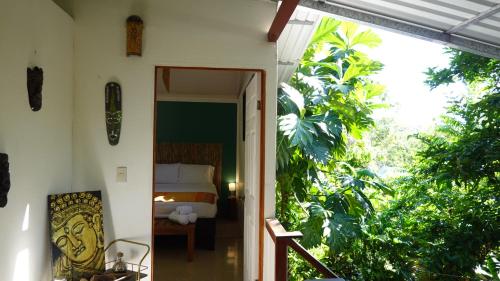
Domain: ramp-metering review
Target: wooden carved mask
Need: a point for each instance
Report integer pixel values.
(135, 26)
(35, 82)
(4, 179)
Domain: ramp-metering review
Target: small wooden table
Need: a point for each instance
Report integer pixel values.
(164, 226)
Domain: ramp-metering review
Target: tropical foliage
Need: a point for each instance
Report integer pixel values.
(392, 148)
(445, 219)
(440, 220)
(321, 185)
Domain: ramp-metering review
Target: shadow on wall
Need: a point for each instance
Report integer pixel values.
(93, 179)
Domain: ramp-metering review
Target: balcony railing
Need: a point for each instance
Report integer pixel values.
(284, 239)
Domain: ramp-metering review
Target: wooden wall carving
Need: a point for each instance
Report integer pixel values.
(135, 26)
(4, 179)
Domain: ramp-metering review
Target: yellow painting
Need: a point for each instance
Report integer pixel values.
(77, 236)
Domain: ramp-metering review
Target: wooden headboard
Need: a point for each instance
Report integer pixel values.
(193, 153)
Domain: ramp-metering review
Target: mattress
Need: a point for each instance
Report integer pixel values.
(202, 209)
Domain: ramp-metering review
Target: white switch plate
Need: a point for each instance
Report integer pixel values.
(121, 174)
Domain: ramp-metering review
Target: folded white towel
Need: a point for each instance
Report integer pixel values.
(183, 219)
(184, 210)
(192, 217)
(175, 216)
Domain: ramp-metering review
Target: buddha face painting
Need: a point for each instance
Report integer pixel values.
(76, 234)
(77, 239)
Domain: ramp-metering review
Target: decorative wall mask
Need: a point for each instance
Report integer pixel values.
(4, 179)
(77, 236)
(35, 82)
(113, 100)
(134, 36)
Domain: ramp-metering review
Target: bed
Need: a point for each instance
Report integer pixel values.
(189, 174)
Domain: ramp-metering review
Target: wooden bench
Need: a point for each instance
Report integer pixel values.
(167, 227)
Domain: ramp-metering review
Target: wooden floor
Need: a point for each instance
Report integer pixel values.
(224, 263)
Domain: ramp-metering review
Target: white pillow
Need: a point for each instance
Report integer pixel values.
(167, 173)
(189, 173)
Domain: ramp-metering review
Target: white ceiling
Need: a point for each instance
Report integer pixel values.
(196, 84)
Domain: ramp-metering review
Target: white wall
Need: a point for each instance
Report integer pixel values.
(218, 33)
(33, 32)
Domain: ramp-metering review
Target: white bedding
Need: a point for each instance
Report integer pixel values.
(202, 209)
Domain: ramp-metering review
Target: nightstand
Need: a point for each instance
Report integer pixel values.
(232, 208)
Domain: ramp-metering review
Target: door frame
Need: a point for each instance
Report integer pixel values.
(262, 154)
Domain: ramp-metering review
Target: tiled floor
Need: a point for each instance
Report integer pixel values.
(225, 263)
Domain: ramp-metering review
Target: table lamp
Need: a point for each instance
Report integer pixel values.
(232, 189)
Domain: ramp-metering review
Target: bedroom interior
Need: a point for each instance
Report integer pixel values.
(198, 191)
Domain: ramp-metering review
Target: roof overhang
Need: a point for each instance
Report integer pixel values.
(281, 19)
(469, 25)
(294, 40)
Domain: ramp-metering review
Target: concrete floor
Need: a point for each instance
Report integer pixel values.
(225, 263)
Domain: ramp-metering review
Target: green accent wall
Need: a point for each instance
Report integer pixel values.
(200, 122)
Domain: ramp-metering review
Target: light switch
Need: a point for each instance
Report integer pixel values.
(121, 174)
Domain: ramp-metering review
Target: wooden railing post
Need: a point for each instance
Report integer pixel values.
(281, 263)
(282, 240)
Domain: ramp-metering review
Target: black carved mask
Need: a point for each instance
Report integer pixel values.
(4, 179)
(35, 82)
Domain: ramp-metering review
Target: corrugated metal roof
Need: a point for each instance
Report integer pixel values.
(294, 40)
(472, 25)
(439, 14)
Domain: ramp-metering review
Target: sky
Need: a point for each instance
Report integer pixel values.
(406, 59)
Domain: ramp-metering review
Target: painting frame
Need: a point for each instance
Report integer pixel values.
(76, 235)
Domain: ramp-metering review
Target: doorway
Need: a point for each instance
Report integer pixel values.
(207, 121)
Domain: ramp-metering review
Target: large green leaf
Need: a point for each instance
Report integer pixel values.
(319, 150)
(342, 229)
(290, 99)
(349, 29)
(353, 71)
(355, 205)
(312, 82)
(366, 38)
(337, 203)
(337, 41)
(283, 151)
(312, 229)
(364, 201)
(329, 124)
(323, 33)
(300, 131)
(325, 67)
